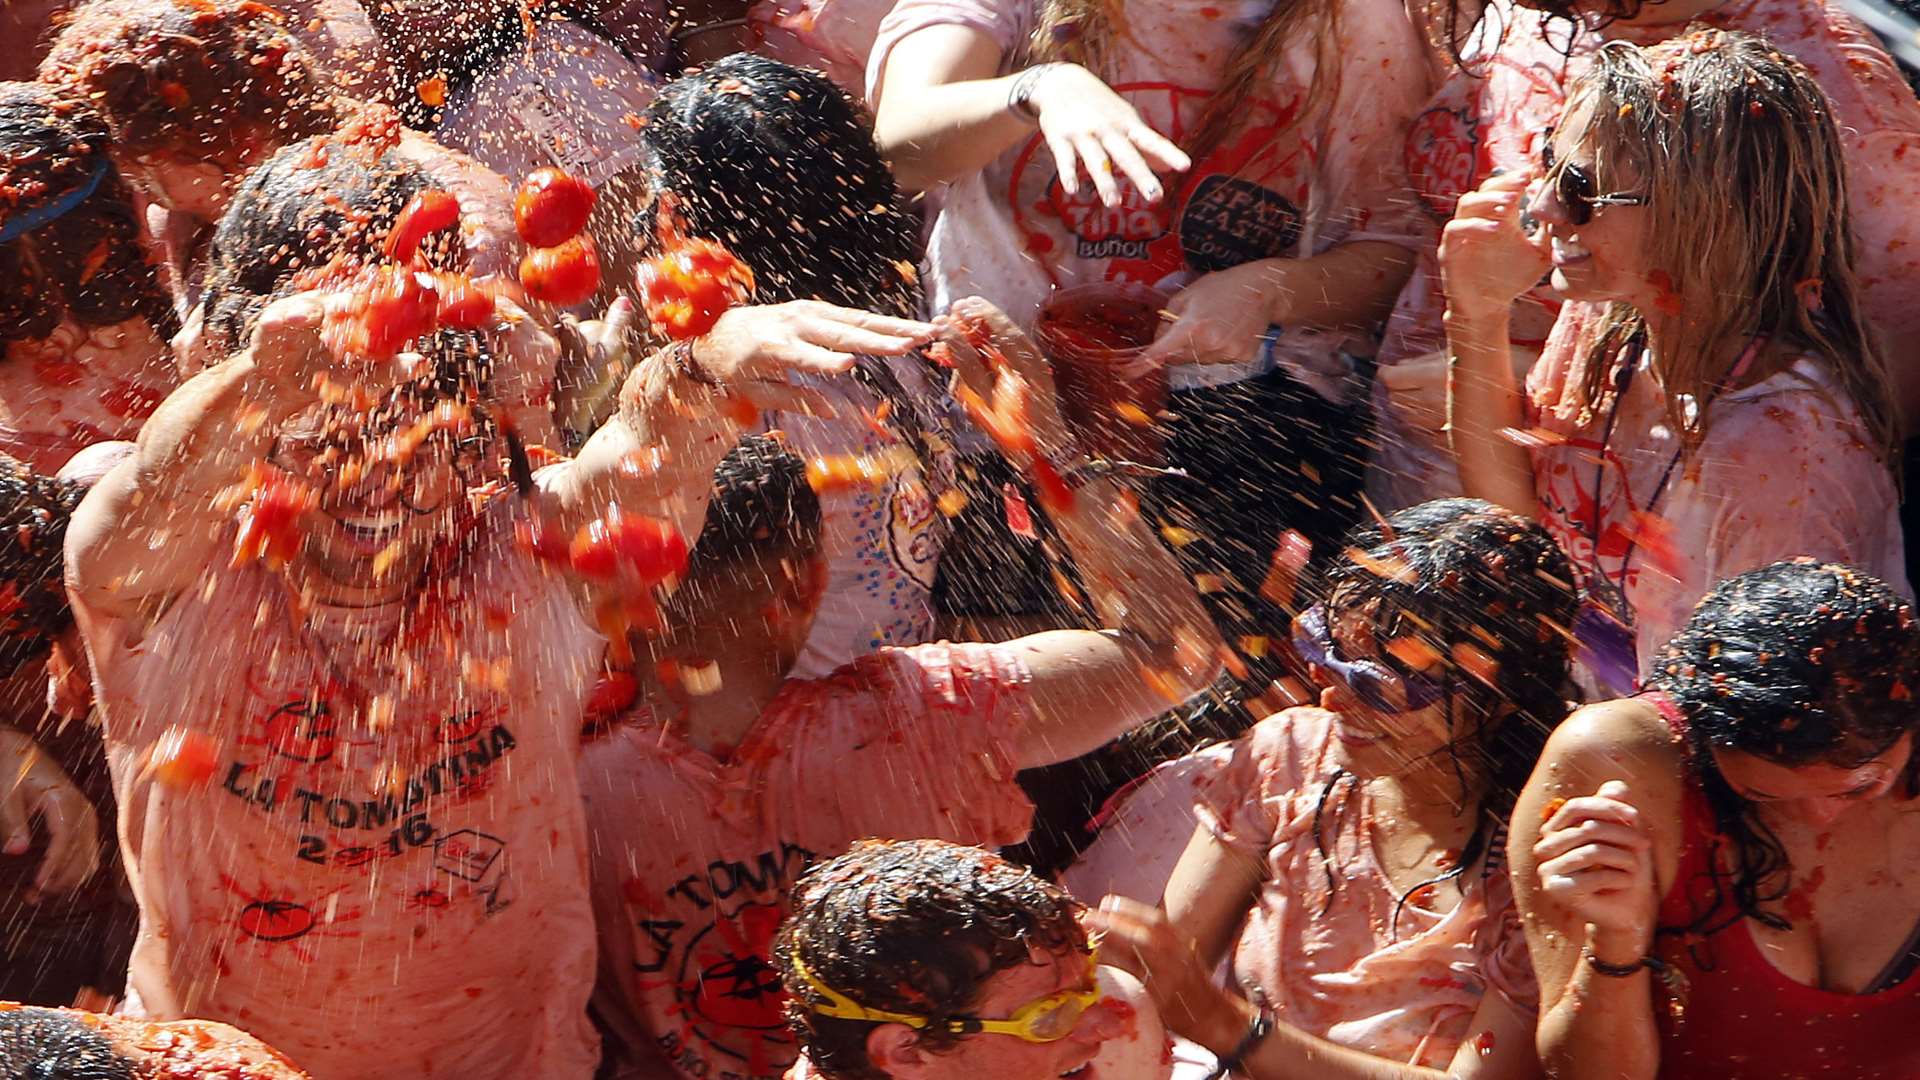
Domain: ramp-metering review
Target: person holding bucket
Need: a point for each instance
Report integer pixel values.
(1232, 173)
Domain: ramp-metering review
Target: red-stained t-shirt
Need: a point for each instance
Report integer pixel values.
(377, 889)
(694, 855)
(78, 386)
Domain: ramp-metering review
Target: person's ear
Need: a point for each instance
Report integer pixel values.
(895, 1050)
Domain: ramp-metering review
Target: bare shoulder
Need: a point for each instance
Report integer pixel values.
(1625, 740)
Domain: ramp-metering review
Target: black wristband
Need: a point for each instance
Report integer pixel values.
(1257, 1033)
(1624, 971)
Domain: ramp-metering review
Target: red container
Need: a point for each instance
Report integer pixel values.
(1090, 333)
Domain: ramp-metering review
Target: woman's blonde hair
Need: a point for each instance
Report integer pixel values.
(1734, 146)
(1084, 31)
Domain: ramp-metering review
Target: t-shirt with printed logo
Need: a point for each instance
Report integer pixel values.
(694, 853)
(1272, 188)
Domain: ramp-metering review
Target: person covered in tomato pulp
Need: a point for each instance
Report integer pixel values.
(1717, 876)
(341, 659)
(1719, 400)
(925, 959)
(728, 775)
(1498, 112)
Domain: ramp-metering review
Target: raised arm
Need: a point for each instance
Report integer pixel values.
(1594, 844)
(1160, 647)
(943, 111)
(152, 524)
(1487, 261)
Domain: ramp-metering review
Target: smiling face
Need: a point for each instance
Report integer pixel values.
(1376, 740)
(892, 1047)
(375, 531)
(1600, 252)
(1818, 793)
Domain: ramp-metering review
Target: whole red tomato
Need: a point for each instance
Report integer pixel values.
(645, 547)
(688, 287)
(551, 207)
(563, 276)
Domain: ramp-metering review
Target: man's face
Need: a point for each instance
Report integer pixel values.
(380, 515)
(1012, 1058)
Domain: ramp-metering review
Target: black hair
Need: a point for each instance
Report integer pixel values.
(57, 1044)
(763, 510)
(87, 262)
(34, 513)
(1470, 582)
(915, 927)
(305, 208)
(1458, 19)
(1795, 663)
(778, 164)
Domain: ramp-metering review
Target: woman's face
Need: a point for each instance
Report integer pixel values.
(1375, 741)
(1817, 794)
(1599, 251)
(196, 188)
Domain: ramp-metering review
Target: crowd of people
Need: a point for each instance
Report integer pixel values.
(845, 540)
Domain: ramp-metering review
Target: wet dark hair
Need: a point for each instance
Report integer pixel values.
(304, 208)
(913, 926)
(1470, 580)
(34, 513)
(1454, 22)
(763, 511)
(779, 164)
(86, 262)
(1796, 663)
(55, 1044)
(207, 80)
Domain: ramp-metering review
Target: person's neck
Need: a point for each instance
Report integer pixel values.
(1431, 798)
(746, 677)
(1671, 11)
(1670, 338)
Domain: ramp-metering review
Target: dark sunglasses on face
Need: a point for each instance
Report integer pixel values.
(1378, 685)
(1575, 187)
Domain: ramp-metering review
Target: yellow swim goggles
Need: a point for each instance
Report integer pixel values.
(1048, 1019)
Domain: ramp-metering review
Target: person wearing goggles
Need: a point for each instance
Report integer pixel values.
(926, 959)
(1349, 858)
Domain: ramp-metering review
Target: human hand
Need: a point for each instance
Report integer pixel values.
(1089, 126)
(1595, 859)
(33, 786)
(1137, 938)
(1487, 259)
(1024, 411)
(1417, 391)
(1218, 319)
(753, 349)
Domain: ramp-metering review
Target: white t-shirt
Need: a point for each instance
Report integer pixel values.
(398, 898)
(1272, 189)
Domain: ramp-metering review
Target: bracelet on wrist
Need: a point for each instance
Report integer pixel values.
(1625, 971)
(1257, 1032)
(1020, 94)
(680, 358)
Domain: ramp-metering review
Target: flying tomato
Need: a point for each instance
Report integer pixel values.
(628, 544)
(426, 213)
(270, 521)
(690, 285)
(551, 207)
(563, 275)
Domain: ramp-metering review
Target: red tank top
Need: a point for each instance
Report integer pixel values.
(1726, 1012)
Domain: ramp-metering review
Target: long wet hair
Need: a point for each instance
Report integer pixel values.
(916, 927)
(206, 80)
(1470, 583)
(1685, 123)
(1795, 663)
(85, 262)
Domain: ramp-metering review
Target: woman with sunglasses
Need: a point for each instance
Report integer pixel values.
(1350, 858)
(1492, 114)
(1716, 401)
(1718, 877)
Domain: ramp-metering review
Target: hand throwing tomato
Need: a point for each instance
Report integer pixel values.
(563, 276)
(551, 207)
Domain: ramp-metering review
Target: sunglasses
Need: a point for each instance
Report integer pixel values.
(1576, 188)
(1048, 1019)
(1378, 685)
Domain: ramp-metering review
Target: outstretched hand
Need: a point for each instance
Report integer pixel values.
(1089, 127)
